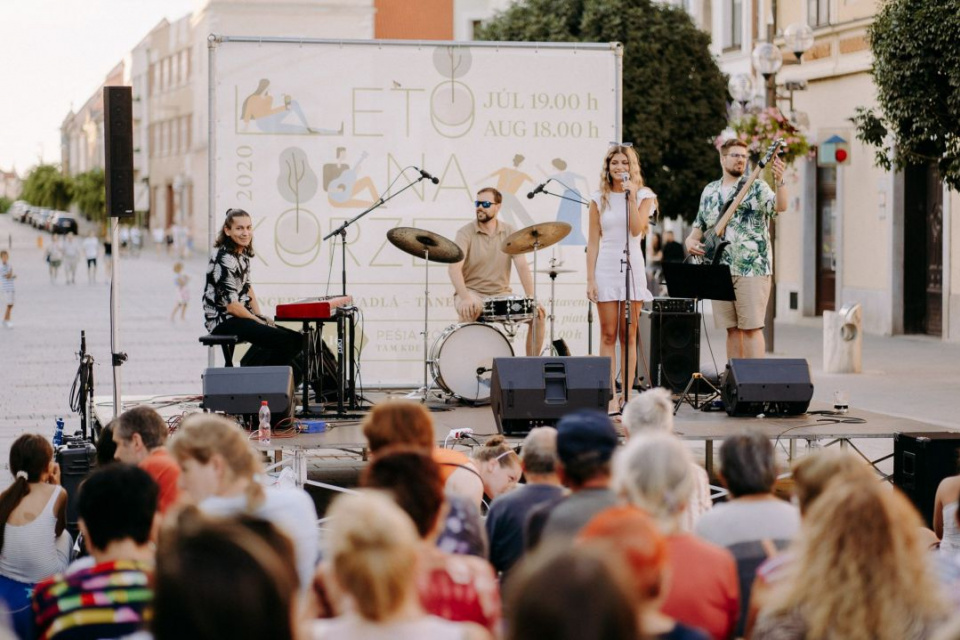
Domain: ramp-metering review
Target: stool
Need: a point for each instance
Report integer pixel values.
(227, 344)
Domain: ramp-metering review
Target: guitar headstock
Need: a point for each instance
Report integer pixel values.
(772, 149)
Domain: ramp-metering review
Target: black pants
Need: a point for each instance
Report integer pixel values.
(269, 346)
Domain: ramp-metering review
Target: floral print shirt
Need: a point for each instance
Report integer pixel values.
(228, 280)
(750, 252)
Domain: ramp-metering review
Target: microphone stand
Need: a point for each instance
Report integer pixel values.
(589, 304)
(628, 303)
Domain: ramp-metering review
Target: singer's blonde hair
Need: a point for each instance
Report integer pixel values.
(606, 179)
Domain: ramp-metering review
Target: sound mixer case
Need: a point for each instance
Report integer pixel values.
(77, 458)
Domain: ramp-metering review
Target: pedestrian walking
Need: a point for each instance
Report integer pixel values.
(6, 287)
(91, 250)
(71, 258)
(136, 240)
(180, 280)
(54, 258)
(158, 239)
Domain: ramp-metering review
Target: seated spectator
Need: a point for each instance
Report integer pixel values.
(218, 471)
(564, 593)
(140, 434)
(499, 467)
(654, 473)
(34, 542)
(586, 441)
(652, 410)
(455, 587)
(632, 540)
(406, 423)
(370, 560)
(811, 475)
(860, 572)
(754, 524)
(224, 579)
(748, 469)
(945, 514)
(117, 511)
(509, 512)
(106, 446)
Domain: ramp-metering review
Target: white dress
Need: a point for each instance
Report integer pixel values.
(610, 278)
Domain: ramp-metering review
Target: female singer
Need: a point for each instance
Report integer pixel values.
(621, 191)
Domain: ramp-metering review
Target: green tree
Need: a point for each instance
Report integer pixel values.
(916, 69)
(45, 186)
(90, 194)
(5, 204)
(674, 95)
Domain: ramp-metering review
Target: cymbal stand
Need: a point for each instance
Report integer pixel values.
(536, 306)
(553, 297)
(424, 391)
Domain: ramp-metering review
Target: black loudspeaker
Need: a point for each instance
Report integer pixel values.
(920, 462)
(534, 392)
(240, 390)
(671, 347)
(77, 458)
(118, 150)
(772, 386)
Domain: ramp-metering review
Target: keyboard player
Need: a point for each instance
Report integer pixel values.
(230, 305)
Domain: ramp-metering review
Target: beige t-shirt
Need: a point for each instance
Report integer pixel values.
(486, 269)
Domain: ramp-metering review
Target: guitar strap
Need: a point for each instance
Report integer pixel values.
(733, 196)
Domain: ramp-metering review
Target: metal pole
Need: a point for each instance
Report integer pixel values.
(211, 154)
(771, 311)
(115, 312)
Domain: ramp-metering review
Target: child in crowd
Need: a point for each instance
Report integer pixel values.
(6, 287)
(181, 280)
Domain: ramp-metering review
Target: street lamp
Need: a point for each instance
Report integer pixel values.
(740, 87)
(798, 38)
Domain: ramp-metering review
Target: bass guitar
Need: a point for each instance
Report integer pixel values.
(713, 243)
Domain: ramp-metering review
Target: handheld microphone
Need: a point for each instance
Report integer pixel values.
(539, 188)
(624, 177)
(424, 174)
(482, 370)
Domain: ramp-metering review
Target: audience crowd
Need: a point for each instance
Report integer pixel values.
(575, 533)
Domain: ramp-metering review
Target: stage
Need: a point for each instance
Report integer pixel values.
(343, 437)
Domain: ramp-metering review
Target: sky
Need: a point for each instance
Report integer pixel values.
(53, 56)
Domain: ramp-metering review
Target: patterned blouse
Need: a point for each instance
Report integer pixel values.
(228, 280)
(750, 252)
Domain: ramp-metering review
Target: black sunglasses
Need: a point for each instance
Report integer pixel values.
(486, 204)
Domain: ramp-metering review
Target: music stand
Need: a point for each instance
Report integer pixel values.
(700, 282)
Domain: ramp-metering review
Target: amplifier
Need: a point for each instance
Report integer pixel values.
(240, 390)
(674, 305)
(77, 458)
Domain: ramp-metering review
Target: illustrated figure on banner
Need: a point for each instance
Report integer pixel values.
(569, 210)
(509, 181)
(343, 182)
(258, 108)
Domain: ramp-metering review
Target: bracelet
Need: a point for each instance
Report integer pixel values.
(782, 183)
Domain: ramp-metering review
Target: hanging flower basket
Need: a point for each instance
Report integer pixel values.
(759, 130)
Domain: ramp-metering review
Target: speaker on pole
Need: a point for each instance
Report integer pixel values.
(767, 385)
(535, 392)
(118, 150)
(671, 347)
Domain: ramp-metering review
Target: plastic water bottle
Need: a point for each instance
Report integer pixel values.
(58, 434)
(264, 435)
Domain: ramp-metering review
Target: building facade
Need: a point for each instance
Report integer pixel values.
(854, 233)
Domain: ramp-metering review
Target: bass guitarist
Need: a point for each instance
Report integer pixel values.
(749, 253)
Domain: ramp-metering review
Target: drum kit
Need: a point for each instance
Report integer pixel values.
(461, 359)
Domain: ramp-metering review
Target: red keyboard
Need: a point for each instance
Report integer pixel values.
(312, 308)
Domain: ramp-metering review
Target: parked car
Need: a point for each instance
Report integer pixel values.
(63, 224)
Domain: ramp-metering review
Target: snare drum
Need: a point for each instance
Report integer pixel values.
(508, 309)
(462, 351)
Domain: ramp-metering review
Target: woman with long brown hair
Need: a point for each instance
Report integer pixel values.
(621, 199)
(860, 572)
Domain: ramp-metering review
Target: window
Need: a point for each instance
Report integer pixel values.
(732, 24)
(474, 27)
(818, 13)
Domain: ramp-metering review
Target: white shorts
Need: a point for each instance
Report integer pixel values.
(8, 297)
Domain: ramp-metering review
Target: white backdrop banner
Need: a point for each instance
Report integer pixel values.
(310, 134)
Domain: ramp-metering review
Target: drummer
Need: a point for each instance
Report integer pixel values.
(485, 269)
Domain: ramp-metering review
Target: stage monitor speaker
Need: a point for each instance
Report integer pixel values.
(671, 347)
(118, 150)
(77, 458)
(535, 392)
(240, 390)
(772, 386)
(920, 462)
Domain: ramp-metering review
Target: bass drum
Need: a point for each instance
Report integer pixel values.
(460, 352)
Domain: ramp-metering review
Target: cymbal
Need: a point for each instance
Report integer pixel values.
(539, 236)
(556, 270)
(425, 244)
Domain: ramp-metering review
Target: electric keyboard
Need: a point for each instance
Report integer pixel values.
(312, 308)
